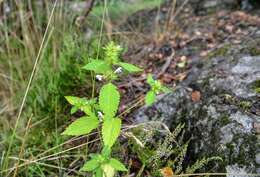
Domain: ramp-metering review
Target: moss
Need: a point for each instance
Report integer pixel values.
(242, 104)
(246, 149)
(220, 51)
(245, 105)
(254, 51)
(144, 154)
(224, 120)
(256, 86)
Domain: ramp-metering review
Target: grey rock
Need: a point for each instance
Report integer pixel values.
(245, 72)
(232, 170)
(218, 124)
(257, 159)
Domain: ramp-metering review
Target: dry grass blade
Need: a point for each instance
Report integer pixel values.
(28, 86)
(22, 146)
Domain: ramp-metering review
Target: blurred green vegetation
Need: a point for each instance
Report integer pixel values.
(58, 74)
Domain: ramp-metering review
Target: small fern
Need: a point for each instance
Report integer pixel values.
(170, 151)
(180, 158)
(201, 163)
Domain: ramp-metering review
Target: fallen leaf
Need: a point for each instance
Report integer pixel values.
(204, 53)
(181, 76)
(167, 172)
(195, 96)
(167, 78)
(229, 28)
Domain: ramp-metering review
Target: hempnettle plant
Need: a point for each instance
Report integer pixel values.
(103, 110)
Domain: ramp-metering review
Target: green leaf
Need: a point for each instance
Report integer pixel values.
(87, 110)
(182, 64)
(165, 90)
(110, 131)
(150, 98)
(98, 172)
(129, 67)
(150, 80)
(73, 109)
(82, 126)
(99, 66)
(81, 103)
(72, 100)
(117, 165)
(106, 151)
(90, 165)
(108, 170)
(109, 99)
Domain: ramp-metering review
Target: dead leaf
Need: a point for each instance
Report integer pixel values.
(229, 28)
(167, 172)
(181, 76)
(195, 96)
(167, 78)
(204, 53)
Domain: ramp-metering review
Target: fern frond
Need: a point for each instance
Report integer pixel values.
(180, 158)
(200, 163)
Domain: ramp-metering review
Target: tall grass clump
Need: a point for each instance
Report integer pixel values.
(57, 73)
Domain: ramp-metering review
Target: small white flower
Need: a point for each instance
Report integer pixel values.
(118, 70)
(100, 115)
(118, 47)
(99, 77)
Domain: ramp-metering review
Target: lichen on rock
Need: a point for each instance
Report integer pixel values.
(217, 127)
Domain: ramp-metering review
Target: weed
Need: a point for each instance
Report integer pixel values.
(104, 109)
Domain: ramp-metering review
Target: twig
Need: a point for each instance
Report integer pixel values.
(165, 66)
(215, 174)
(89, 6)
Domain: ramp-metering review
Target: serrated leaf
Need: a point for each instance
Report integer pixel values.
(150, 98)
(110, 131)
(109, 99)
(98, 66)
(81, 103)
(90, 165)
(87, 110)
(117, 165)
(82, 126)
(129, 67)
